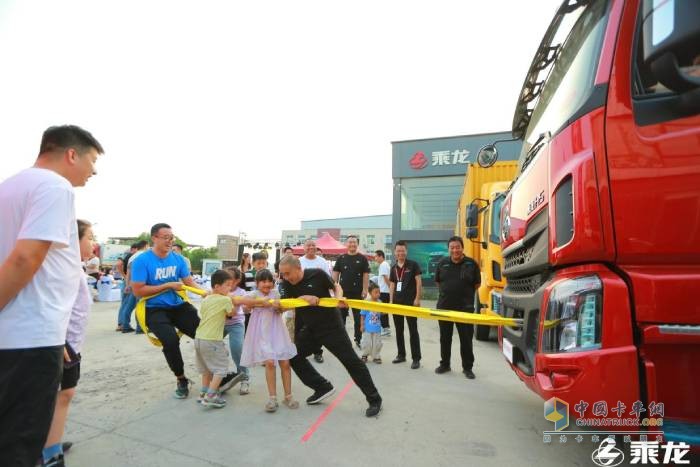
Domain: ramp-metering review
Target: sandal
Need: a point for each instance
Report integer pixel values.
(377, 360)
(271, 405)
(290, 402)
(364, 358)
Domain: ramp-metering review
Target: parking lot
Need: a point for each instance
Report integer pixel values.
(124, 413)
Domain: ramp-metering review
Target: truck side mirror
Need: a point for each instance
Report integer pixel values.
(472, 216)
(487, 156)
(671, 32)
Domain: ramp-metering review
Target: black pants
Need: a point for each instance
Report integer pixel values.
(384, 317)
(356, 318)
(329, 332)
(163, 321)
(466, 333)
(413, 331)
(29, 381)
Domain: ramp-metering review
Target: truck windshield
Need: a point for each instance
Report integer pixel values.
(573, 46)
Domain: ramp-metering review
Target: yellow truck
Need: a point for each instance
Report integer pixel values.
(478, 223)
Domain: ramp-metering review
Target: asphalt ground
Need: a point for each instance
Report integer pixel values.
(124, 414)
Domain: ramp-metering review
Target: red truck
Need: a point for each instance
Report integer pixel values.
(601, 227)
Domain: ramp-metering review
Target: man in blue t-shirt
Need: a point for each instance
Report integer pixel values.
(161, 272)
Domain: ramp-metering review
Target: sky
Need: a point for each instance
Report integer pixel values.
(220, 117)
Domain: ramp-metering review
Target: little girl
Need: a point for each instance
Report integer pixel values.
(267, 341)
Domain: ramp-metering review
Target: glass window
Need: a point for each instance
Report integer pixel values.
(570, 81)
(494, 234)
(430, 203)
(290, 238)
(343, 238)
(387, 240)
(370, 239)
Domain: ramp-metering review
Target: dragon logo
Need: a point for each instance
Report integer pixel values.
(418, 161)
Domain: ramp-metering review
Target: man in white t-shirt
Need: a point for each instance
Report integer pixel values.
(383, 278)
(309, 261)
(40, 273)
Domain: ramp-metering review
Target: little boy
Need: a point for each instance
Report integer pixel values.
(210, 350)
(371, 328)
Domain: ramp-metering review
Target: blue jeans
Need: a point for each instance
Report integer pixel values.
(235, 334)
(127, 307)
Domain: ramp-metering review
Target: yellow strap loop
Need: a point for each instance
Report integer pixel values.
(140, 311)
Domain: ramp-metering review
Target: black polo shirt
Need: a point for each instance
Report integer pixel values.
(457, 282)
(407, 276)
(351, 269)
(317, 283)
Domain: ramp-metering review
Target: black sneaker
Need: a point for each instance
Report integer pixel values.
(374, 408)
(469, 374)
(321, 395)
(55, 461)
(127, 330)
(399, 359)
(66, 446)
(415, 365)
(442, 369)
(230, 380)
(183, 388)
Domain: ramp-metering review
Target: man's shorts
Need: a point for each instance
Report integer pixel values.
(211, 357)
(70, 377)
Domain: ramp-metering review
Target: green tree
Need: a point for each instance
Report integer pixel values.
(196, 255)
(147, 236)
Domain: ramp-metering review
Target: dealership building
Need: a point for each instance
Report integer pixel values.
(428, 180)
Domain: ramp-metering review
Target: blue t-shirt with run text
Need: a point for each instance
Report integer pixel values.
(154, 270)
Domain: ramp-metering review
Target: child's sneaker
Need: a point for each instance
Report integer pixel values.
(290, 402)
(214, 400)
(245, 388)
(378, 360)
(271, 405)
(201, 397)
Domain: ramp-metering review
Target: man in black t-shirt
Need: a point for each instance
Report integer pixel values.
(315, 326)
(457, 278)
(351, 270)
(405, 289)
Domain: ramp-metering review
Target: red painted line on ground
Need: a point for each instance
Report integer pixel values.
(326, 412)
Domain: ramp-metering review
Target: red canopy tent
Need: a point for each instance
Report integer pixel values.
(329, 247)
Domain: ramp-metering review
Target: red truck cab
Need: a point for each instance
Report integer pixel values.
(601, 227)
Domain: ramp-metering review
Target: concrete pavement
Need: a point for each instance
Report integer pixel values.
(124, 414)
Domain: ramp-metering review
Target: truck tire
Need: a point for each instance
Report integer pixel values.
(482, 332)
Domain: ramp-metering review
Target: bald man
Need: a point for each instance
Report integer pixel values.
(317, 326)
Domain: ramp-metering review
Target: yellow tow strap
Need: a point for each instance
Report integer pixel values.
(413, 311)
(140, 311)
(391, 308)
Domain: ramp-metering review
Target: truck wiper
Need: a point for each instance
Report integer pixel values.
(537, 145)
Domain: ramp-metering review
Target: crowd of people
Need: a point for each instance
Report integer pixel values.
(46, 253)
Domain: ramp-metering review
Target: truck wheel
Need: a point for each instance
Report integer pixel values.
(482, 332)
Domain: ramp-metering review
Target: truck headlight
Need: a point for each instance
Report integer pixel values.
(574, 316)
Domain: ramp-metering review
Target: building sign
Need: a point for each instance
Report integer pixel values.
(446, 156)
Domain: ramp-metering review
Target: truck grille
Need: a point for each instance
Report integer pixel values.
(527, 285)
(519, 258)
